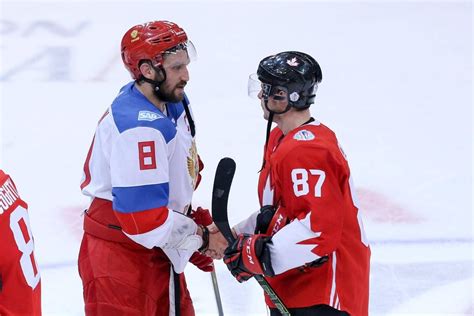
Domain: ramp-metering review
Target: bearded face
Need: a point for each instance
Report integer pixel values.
(175, 66)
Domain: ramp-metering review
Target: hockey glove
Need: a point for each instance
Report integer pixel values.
(264, 218)
(202, 261)
(248, 256)
(201, 216)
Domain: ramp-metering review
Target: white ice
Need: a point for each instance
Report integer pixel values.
(397, 90)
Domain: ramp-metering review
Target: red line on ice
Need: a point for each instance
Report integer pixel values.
(380, 208)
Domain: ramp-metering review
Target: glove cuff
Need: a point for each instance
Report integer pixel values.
(256, 256)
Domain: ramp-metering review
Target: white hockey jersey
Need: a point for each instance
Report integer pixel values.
(146, 163)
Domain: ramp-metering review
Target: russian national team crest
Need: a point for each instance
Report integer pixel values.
(193, 163)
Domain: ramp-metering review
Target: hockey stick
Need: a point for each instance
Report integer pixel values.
(220, 196)
(216, 293)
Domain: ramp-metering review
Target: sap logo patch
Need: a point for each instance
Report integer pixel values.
(304, 135)
(148, 116)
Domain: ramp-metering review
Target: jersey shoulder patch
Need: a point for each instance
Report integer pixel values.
(304, 135)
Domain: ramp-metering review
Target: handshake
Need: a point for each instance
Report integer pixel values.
(214, 243)
(257, 256)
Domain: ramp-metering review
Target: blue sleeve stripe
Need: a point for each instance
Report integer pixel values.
(140, 198)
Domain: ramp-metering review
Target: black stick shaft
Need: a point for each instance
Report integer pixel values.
(220, 196)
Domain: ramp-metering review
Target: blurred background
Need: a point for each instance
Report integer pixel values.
(397, 90)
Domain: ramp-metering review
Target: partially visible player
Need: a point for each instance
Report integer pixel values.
(20, 281)
(308, 237)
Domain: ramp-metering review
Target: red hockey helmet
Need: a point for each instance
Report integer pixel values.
(148, 42)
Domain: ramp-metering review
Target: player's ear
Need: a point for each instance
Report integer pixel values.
(147, 70)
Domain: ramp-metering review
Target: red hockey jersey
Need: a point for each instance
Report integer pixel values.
(20, 281)
(307, 177)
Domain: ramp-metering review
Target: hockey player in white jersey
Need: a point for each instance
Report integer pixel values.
(140, 172)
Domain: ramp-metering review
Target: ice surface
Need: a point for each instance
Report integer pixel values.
(397, 90)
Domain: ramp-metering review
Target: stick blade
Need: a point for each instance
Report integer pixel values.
(220, 195)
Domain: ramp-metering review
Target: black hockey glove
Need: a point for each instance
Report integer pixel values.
(249, 255)
(264, 218)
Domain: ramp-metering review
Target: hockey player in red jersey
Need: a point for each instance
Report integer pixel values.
(308, 238)
(140, 230)
(20, 280)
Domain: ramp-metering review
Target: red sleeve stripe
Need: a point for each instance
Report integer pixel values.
(87, 171)
(143, 221)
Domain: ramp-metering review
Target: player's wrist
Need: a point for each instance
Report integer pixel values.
(205, 238)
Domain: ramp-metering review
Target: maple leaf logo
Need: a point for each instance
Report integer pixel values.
(292, 62)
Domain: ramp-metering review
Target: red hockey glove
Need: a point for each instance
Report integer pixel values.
(202, 261)
(201, 216)
(249, 255)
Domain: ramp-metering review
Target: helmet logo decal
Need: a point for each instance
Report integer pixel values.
(134, 36)
(292, 62)
(294, 96)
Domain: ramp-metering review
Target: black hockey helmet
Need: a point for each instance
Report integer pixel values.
(297, 72)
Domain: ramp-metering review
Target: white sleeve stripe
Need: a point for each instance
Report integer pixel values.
(287, 241)
(333, 296)
(171, 285)
(267, 196)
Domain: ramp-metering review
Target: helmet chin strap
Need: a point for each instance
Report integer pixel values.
(155, 84)
(288, 107)
(156, 90)
(270, 121)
